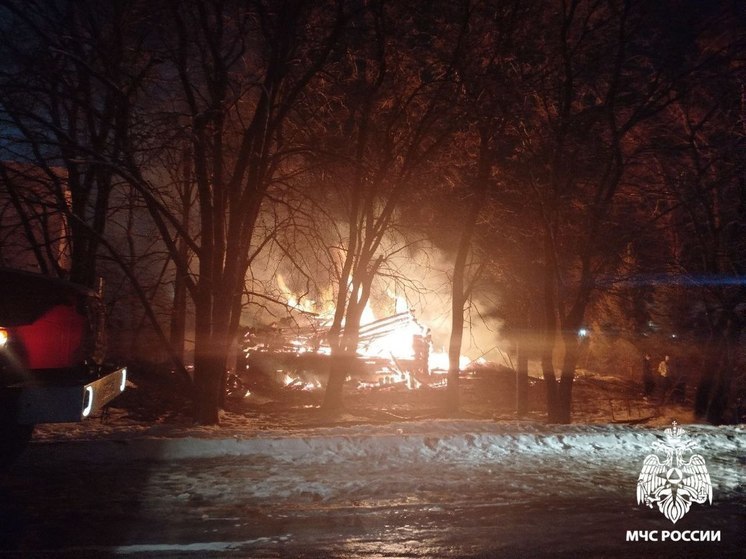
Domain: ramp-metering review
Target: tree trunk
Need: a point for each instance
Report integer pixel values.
(212, 340)
(454, 346)
(460, 291)
(550, 382)
(345, 340)
(178, 318)
(713, 390)
(208, 383)
(548, 341)
(334, 395)
(210, 361)
(343, 352)
(205, 367)
(564, 390)
(521, 381)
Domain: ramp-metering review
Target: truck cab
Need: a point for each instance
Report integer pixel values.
(52, 356)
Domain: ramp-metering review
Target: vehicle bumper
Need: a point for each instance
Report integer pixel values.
(46, 403)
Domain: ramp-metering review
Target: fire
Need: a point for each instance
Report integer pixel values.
(303, 304)
(439, 361)
(368, 316)
(297, 383)
(393, 350)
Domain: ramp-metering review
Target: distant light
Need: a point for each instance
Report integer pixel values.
(3, 337)
(674, 336)
(583, 332)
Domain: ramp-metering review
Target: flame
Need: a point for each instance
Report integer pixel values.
(303, 304)
(438, 361)
(298, 383)
(390, 339)
(400, 304)
(368, 315)
(397, 343)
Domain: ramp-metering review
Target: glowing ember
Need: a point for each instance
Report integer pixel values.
(299, 384)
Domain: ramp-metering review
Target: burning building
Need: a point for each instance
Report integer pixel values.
(295, 353)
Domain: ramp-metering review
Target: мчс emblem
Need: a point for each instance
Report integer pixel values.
(675, 483)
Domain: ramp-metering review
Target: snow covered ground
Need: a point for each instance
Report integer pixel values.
(431, 488)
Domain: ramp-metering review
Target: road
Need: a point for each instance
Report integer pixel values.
(56, 504)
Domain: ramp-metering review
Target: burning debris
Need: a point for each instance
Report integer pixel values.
(393, 351)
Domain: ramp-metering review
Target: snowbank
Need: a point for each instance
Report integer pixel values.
(451, 441)
(376, 467)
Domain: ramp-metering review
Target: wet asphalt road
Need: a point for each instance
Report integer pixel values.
(54, 507)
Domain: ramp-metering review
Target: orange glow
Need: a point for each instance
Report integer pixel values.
(388, 341)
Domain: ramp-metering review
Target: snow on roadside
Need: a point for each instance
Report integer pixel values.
(454, 441)
(423, 444)
(418, 461)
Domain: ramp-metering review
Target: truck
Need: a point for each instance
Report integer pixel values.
(53, 366)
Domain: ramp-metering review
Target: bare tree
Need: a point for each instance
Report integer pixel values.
(391, 103)
(491, 94)
(704, 208)
(67, 96)
(239, 71)
(602, 78)
(33, 228)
